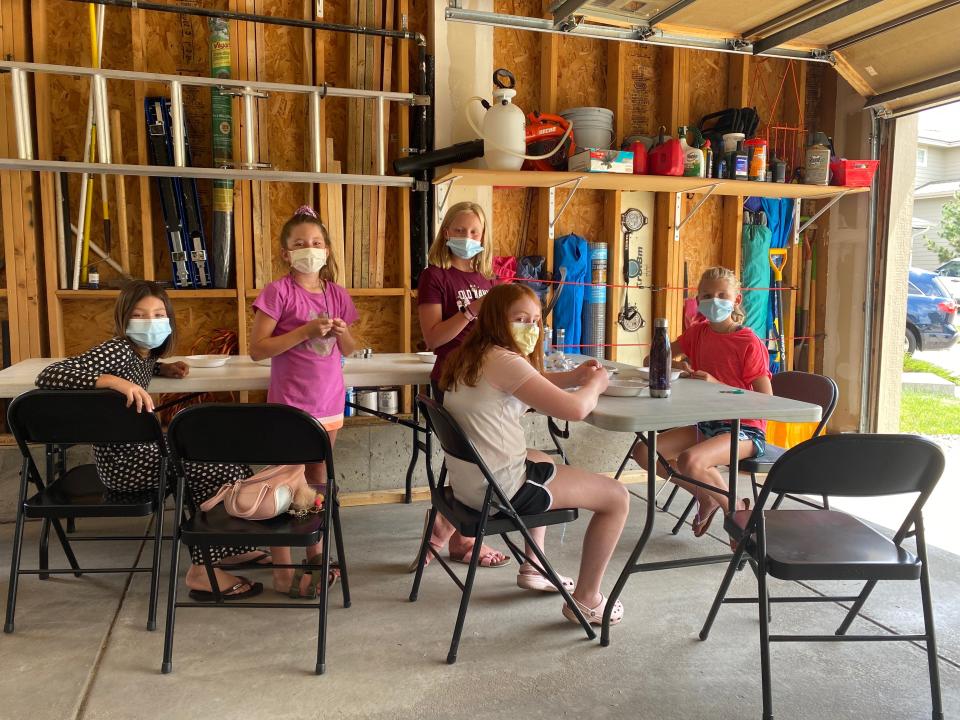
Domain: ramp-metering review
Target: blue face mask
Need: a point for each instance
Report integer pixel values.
(464, 247)
(148, 333)
(716, 309)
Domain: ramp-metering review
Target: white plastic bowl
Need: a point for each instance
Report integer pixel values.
(624, 388)
(427, 357)
(644, 372)
(207, 361)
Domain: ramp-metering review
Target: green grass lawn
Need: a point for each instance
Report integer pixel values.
(929, 414)
(911, 364)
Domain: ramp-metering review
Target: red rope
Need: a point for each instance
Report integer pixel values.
(788, 288)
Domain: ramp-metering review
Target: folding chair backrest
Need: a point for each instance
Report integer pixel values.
(255, 434)
(79, 417)
(858, 465)
(808, 387)
(454, 441)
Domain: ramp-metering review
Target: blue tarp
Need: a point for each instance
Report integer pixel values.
(571, 252)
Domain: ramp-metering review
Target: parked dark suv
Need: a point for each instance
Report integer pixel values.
(931, 310)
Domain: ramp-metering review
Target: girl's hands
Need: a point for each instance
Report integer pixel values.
(136, 396)
(339, 327)
(586, 371)
(318, 328)
(175, 370)
(475, 306)
(689, 372)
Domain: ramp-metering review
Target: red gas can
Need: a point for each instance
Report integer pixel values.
(639, 151)
(666, 158)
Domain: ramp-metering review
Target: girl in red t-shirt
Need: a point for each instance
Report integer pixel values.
(718, 350)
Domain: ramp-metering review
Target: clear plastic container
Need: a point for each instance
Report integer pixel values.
(323, 346)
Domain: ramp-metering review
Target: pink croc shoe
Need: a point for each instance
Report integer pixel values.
(594, 616)
(536, 581)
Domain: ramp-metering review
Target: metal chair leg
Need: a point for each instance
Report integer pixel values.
(683, 516)
(341, 557)
(71, 525)
(15, 559)
(167, 665)
(324, 603)
(933, 665)
(421, 557)
(465, 598)
(763, 611)
(722, 590)
(44, 551)
(155, 570)
(670, 497)
(67, 549)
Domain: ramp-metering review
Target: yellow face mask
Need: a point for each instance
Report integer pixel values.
(525, 335)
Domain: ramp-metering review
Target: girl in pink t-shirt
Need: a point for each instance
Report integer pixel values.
(302, 322)
(718, 350)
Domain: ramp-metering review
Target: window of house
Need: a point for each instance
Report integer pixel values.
(921, 157)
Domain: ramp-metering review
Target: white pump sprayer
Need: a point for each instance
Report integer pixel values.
(504, 127)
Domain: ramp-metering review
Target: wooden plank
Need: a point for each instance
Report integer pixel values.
(376, 78)
(9, 209)
(240, 38)
(121, 191)
(137, 33)
(319, 75)
(353, 106)
(369, 72)
(403, 133)
(612, 232)
(335, 212)
(263, 266)
(738, 90)
(386, 84)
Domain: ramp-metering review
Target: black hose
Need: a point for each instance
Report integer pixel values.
(265, 19)
(459, 153)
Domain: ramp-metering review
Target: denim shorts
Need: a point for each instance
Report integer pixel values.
(747, 432)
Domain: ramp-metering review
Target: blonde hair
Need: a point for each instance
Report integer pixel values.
(721, 273)
(440, 254)
(328, 273)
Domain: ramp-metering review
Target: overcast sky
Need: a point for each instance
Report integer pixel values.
(944, 118)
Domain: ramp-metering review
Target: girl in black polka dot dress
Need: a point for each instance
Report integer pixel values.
(145, 331)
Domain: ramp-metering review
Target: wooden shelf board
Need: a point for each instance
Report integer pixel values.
(174, 294)
(472, 177)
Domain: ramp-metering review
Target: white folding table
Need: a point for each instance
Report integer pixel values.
(240, 373)
(691, 401)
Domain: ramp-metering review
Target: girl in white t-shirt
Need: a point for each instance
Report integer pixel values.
(490, 381)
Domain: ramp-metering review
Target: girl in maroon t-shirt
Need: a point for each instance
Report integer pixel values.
(449, 295)
(718, 350)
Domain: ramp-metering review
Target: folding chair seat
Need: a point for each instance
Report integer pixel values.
(253, 434)
(821, 544)
(60, 418)
(479, 523)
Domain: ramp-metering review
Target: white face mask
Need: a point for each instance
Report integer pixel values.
(308, 260)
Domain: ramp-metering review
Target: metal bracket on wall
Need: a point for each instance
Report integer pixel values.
(798, 228)
(553, 213)
(445, 187)
(693, 211)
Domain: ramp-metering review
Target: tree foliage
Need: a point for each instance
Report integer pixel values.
(949, 231)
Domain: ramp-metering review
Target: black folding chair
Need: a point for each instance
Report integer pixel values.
(794, 385)
(823, 544)
(255, 434)
(60, 418)
(479, 524)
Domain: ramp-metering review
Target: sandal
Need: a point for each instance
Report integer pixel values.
(594, 616)
(536, 581)
(700, 526)
(230, 593)
(296, 591)
(486, 560)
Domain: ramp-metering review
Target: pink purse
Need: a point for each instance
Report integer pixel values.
(262, 496)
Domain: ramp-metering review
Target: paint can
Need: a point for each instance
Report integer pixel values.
(388, 400)
(366, 397)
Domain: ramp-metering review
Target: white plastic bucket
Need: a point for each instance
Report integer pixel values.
(592, 126)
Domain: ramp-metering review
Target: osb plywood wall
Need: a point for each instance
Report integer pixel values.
(582, 80)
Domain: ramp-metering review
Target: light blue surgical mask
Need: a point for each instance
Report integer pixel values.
(716, 309)
(148, 333)
(464, 247)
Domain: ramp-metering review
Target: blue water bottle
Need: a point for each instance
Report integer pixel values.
(347, 410)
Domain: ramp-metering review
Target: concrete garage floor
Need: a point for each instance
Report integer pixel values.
(81, 651)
